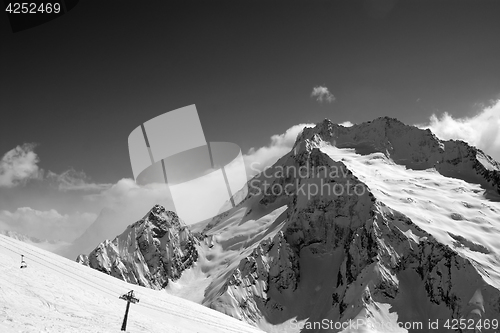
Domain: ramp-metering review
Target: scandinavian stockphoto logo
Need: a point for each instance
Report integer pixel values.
(202, 177)
(306, 181)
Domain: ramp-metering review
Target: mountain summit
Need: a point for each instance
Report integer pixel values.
(410, 146)
(151, 252)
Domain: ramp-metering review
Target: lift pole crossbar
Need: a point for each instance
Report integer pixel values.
(130, 298)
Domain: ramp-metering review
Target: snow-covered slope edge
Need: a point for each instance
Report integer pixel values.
(55, 295)
(45, 244)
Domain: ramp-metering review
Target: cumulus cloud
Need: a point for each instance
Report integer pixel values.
(347, 124)
(121, 205)
(322, 94)
(72, 180)
(126, 193)
(481, 130)
(258, 159)
(19, 165)
(131, 201)
(49, 224)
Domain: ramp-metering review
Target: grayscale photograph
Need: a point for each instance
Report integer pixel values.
(245, 166)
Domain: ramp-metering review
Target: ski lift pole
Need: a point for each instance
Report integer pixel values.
(129, 297)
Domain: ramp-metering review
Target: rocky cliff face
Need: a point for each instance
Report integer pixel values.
(83, 259)
(151, 252)
(272, 265)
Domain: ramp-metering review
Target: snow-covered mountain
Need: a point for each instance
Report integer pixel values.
(380, 224)
(56, 295)
(410, 146)
(150, 252)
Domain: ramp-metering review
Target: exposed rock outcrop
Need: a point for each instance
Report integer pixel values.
(151, 252)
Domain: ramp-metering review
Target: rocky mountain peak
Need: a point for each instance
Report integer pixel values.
(151, 252)
(160, 221)
(407, 145)
(159, 212)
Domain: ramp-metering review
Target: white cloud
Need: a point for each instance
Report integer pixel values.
(121, 205)
(126, 192)
(257, 159)
(18, 166)
(72, 180)
(346, 124)
(132, 200)
(49, 224)
(322, 94)
(481, 130)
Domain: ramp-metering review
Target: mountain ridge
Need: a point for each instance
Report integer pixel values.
(384, 132)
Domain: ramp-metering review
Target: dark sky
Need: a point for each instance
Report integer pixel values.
(80, 84)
